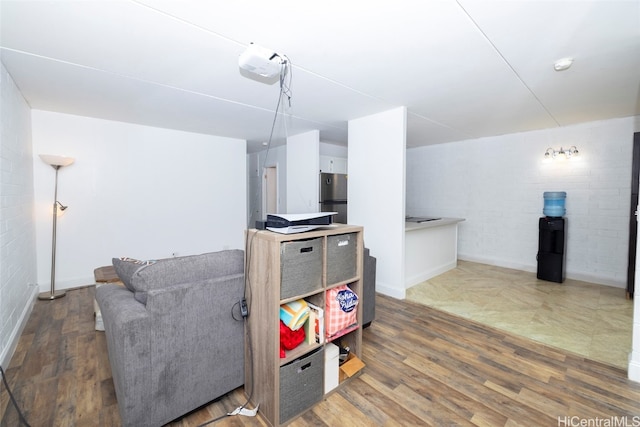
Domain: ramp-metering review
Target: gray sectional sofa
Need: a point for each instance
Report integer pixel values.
(174, 334)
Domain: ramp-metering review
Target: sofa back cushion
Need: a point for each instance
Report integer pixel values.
(126, 267)
(186, 269)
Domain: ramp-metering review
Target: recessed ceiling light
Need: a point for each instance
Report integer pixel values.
(562, 64)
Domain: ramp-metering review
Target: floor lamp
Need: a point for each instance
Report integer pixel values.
(56, 162)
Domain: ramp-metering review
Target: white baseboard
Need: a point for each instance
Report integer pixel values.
(633, 370)
(61, 285)
(498, 263)
(606, 281)
(426, 275)
(532, 268)
(390, 291)
(7, 352)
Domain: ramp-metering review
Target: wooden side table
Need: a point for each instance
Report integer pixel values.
(102, 276)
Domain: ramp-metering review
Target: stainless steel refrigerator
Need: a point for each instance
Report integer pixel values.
(333, 195)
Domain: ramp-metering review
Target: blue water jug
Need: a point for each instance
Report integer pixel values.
(554, 203)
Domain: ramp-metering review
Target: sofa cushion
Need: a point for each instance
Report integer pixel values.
(126, 267)
(187, 269)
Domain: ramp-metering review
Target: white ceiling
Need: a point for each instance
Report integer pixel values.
(463, 68)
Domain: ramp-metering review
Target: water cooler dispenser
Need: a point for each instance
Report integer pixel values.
(552, 238)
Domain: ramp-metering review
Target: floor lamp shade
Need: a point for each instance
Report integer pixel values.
(56, 162)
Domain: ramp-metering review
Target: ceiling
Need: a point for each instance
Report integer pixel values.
(463, 68)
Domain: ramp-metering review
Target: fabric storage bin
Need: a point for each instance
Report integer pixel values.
(341, 257)
(300, 267)
(301, 384)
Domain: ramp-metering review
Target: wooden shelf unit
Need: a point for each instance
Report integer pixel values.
(263, 365)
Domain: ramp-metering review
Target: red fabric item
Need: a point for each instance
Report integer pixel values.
(289, 339)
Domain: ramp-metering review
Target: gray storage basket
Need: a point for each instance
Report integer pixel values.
(301, 384)
(300, 267)
(341, 257)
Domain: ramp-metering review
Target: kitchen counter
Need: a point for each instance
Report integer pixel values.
(431, 248)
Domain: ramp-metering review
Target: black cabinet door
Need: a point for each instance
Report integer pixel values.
(551, 249)
(633, 223)
(550, 267)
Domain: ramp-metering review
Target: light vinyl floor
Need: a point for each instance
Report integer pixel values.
(591, 320)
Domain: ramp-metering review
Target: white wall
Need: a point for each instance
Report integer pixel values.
(134, 191)
(377, 192)
(497, 183)
(303, 169)
(333, 164)
(17, 227)
(333, 158)
(333, 150)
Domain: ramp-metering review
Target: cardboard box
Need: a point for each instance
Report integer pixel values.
(350, 367)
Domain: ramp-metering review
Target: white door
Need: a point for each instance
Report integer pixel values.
(270, 194)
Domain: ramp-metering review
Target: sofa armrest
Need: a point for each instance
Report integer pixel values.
(196, 344)
(127, 325)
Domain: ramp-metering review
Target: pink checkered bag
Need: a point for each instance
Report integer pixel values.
(341, 309)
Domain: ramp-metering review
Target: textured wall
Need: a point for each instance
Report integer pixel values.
(497, 183)
(17, 228)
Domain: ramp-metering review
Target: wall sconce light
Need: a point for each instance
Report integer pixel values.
(568, 152)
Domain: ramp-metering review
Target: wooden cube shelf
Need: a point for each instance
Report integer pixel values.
(299, 376)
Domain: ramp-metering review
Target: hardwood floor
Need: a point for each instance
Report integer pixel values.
(424, 367)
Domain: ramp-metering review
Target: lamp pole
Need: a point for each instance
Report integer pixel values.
(53, 294)
(55, 162)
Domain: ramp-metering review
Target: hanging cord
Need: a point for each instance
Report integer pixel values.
(285, 90)
(286, 78)
(241, 409)
(23, 420)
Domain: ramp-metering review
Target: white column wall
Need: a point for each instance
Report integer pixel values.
(633, 370)
(376, 193)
